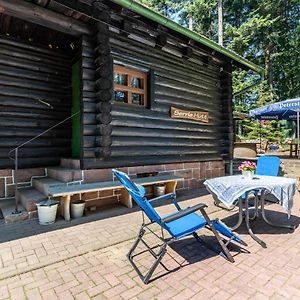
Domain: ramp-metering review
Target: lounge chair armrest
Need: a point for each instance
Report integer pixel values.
(170, 196)
(183, 212)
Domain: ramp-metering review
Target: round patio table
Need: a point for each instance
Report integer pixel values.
(236, 189)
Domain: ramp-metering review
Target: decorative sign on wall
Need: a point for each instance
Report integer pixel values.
(199, 116)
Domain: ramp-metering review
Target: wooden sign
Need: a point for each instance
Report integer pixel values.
(199, 116)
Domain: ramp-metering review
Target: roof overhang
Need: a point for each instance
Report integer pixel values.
(164, 21)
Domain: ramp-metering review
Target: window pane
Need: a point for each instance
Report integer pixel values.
(137, 99)
(121, 96)
(120, 79)
(137, 82)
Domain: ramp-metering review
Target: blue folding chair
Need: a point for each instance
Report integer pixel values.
(179, 224)
(268, 165)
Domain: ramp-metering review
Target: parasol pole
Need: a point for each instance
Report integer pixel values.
(260, 135)
(298, 132)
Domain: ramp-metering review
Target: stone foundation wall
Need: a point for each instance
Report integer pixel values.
(194, 175)
(24, 179)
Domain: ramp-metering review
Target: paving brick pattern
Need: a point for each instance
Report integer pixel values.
(88, 261)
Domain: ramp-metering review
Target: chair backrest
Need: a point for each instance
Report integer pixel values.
(137, 192)
(268, 165)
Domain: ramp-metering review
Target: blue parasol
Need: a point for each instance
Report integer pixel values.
(284, 110)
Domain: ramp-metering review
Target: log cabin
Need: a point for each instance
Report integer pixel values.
(86, 86)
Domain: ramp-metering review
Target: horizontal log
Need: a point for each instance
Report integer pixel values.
(37, 152)
(90, 130)
(199, 88)
(88, 74)
(31, 132)
(47, 97)
(45, 17)
(89, 142)
(88, 52)
(31, 162)
(152, 54)
(103, 141)
(88, 86)
(163, 102)
(156, 151)
(126, 161)
(21, 102)
(88, 63)
(35, 85)
(123, 131)
(86, 94)
(40, 142)
(163, 142)
(158, 124)
(30, 46)
(58, 63)
(214, 116)
(39, 115)
(89, 107)
(21, 73)
(119, 110)
(89, 119)
(28, 123)
(23, 64)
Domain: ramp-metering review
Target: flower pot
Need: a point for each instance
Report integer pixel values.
(248, 174)
(47, 211)
(159, 189)
(77, 209)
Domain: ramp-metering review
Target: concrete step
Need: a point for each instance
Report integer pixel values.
(43, 184)
(28, 197)
(70, 163)
(64, 174)
(7, 208)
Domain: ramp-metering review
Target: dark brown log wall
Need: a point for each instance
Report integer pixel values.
(35, 94)
(180, 78)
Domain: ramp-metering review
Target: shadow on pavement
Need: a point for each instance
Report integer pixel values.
(10, 232)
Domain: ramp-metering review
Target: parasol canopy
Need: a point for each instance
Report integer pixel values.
(284, 110)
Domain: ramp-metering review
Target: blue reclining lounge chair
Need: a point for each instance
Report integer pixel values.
(179, 224)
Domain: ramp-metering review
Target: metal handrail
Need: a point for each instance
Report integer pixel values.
(15, 158)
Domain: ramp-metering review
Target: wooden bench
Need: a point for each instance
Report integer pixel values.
(65, 192)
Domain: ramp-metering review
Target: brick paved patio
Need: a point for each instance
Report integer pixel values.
(88, 261)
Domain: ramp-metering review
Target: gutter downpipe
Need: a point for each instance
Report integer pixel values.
(158, 18)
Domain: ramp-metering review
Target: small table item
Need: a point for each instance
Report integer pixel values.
(228, 189)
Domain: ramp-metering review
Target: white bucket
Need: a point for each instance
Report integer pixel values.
(77, 209)
(47, 214)
(159, 190)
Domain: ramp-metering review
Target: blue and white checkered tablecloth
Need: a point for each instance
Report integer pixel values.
(229, 188)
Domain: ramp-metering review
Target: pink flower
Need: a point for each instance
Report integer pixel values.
(247, 166)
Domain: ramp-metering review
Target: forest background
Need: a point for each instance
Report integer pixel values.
(267, 32)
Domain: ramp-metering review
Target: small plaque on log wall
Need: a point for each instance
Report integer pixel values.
(199, 116)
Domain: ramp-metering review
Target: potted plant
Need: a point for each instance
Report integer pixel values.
(247, 168)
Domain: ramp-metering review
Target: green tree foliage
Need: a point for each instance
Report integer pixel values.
(266, 32)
